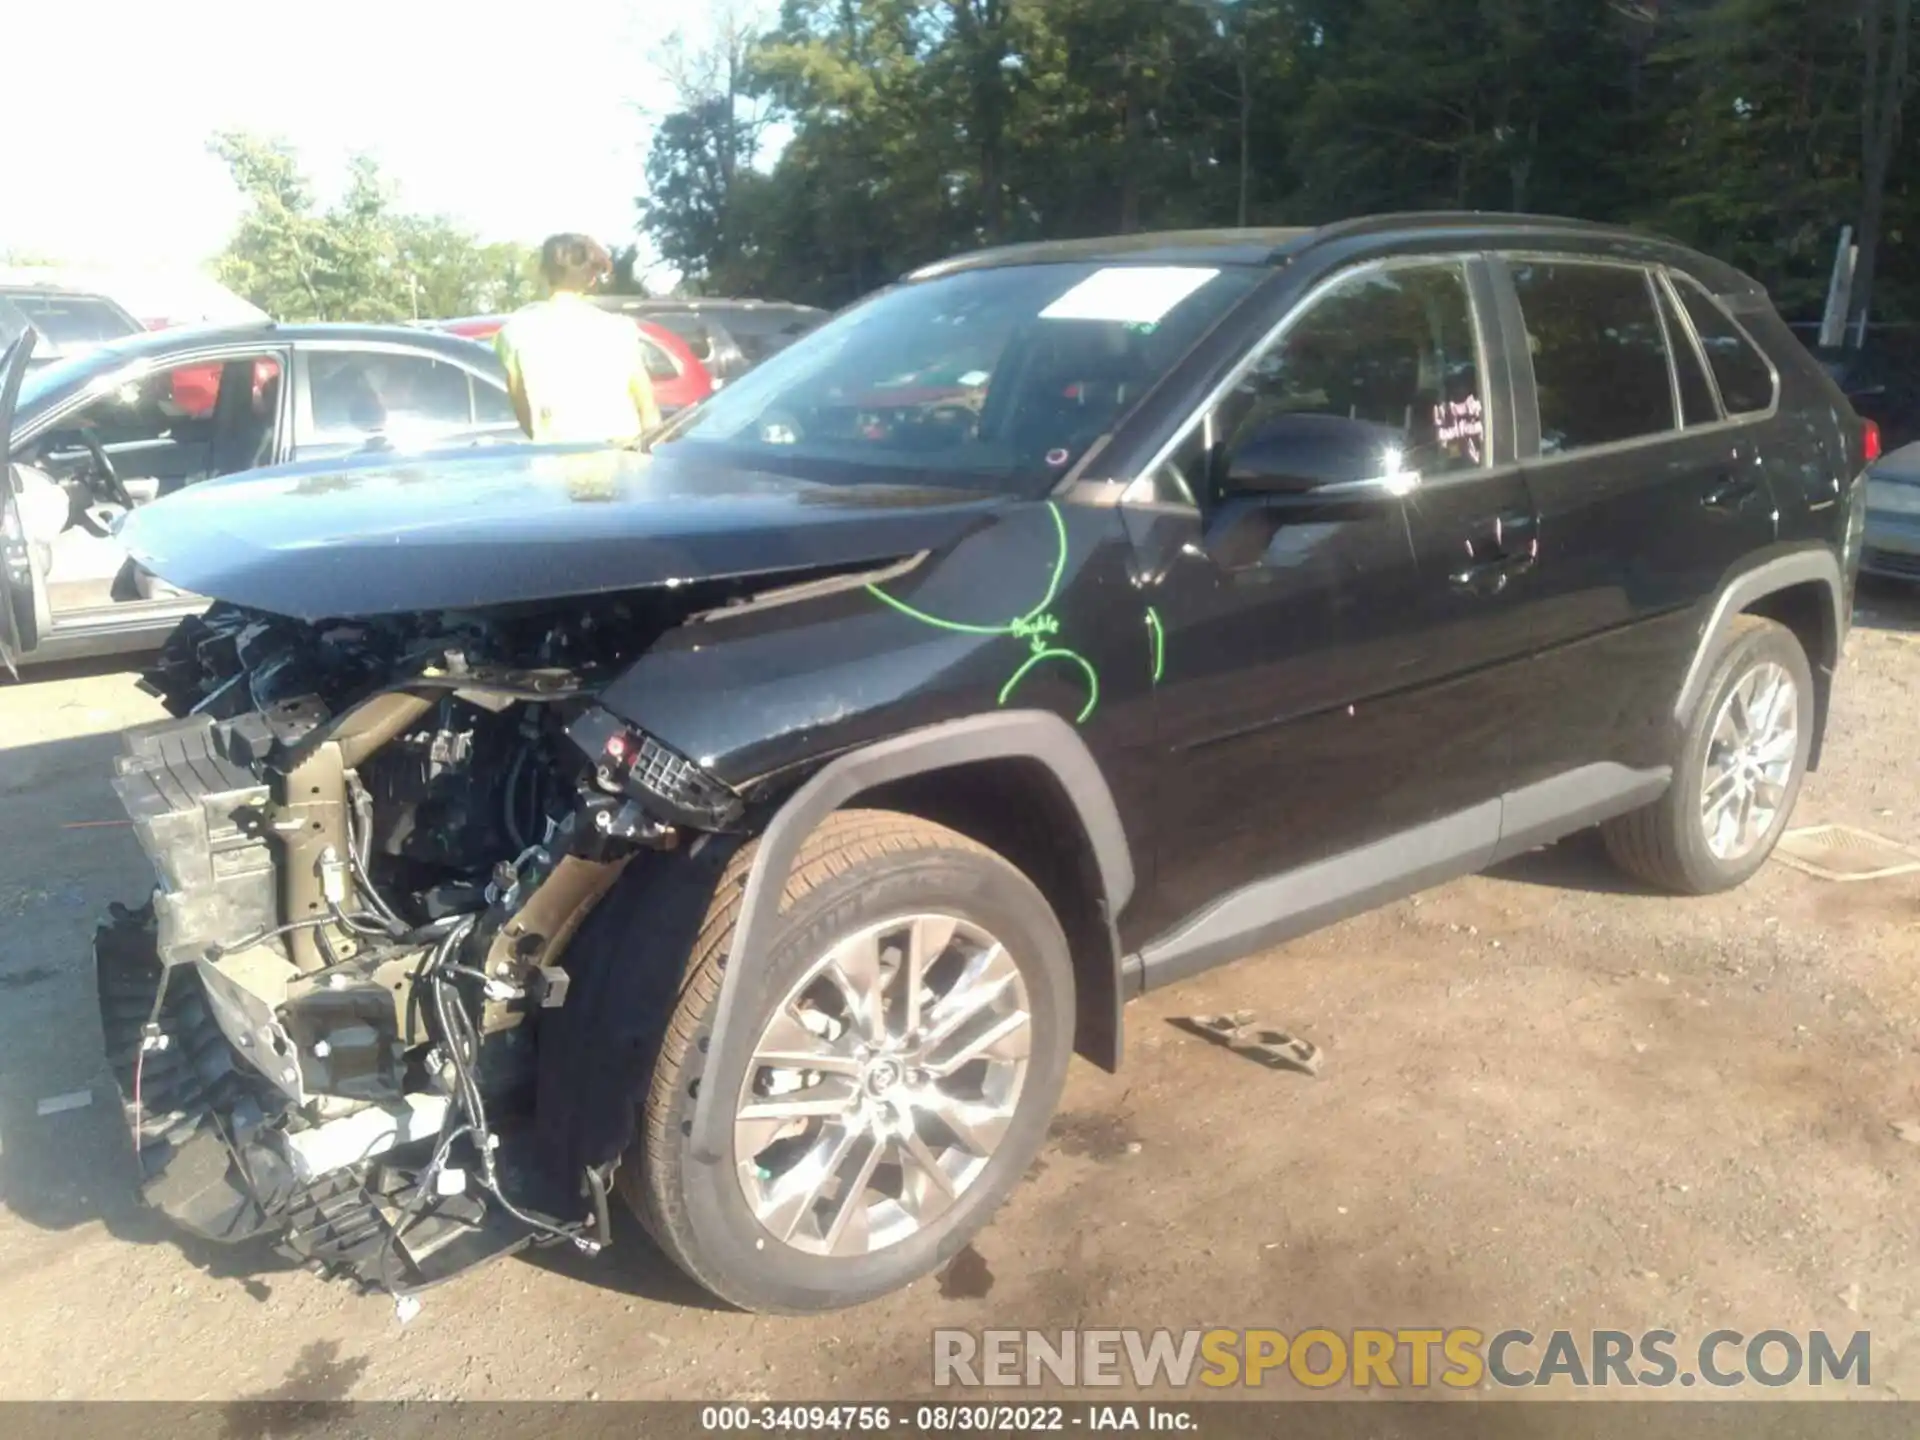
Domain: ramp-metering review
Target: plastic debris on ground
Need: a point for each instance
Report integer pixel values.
(1238, 1032)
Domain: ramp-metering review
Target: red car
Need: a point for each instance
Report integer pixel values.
(679, 379)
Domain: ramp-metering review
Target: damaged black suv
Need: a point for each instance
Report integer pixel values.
(754, 823)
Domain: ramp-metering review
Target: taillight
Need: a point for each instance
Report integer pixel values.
(1870, 441)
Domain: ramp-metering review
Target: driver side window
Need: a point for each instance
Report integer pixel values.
(1379, 375)
(172, 427)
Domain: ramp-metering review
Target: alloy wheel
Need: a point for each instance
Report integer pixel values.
(1751, 754)
(882, 1085)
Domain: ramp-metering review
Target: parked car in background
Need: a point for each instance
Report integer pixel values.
(679, 379)
(730, 337)
(1881, 380)
(1893, 516)
(158, 295)
(65, 322)
(136, 419)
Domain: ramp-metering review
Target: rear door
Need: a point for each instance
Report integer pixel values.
(1646, 496)
(358, 399)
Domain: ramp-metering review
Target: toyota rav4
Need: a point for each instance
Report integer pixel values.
(750, 824)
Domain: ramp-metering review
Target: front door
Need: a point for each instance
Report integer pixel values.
(1334, 660)
(135, 438)
(22, 590)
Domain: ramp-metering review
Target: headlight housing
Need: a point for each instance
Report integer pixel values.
(629, 761)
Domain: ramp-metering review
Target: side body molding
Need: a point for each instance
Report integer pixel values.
(1027, 734)
(1818, 565)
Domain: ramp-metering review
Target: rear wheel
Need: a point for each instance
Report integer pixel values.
(911, 1043)
(1738, 773)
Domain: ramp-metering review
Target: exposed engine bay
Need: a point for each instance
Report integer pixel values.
(374, 841)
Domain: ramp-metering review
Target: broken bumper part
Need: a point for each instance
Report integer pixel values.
(212, 1064)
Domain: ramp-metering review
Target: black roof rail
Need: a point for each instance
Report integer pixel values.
(1478, 220)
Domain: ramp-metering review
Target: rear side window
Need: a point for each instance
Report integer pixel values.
(1599, 358)
(690, 329)
(491, 405)
(378, 392)
(660, 364)
(1697, 405)
(1745, 377)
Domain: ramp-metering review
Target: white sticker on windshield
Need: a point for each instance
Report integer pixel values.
(1129, 294)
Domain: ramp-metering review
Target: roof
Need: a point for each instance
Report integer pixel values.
(49, 287)
(178, 337)
(719, 304)
(1281, 246)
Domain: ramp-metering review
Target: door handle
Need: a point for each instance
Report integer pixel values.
(1729, 493)
(1506, 549)
(1490, 577)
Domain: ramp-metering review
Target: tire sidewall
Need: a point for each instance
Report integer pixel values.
(737, 1257)
(1760, 645)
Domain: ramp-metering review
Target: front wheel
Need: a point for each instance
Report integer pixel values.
(911, 1044)
(1738, 774)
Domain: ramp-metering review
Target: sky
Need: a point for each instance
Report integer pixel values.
(517, 120)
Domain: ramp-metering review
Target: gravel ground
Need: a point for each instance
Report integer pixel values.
(1549, 1101)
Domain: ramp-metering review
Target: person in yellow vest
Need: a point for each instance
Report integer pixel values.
(577, 374)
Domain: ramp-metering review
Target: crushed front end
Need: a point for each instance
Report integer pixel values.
(373, 843)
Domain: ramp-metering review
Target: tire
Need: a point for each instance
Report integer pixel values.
(1667, 844)
(856, 876)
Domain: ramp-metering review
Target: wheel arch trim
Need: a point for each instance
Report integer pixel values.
(1021, 734)
(1782, 572)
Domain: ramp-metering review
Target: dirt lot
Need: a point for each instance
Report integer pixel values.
(1549, 1100)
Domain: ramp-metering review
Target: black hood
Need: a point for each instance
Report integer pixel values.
(503, 526)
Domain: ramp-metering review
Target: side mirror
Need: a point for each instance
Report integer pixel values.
(1319, 456)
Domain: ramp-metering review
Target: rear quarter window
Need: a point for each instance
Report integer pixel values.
(660, 364)
(72, 319)
(1697, 405)
(1746, 381)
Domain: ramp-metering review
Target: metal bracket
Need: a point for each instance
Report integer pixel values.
(309, 819)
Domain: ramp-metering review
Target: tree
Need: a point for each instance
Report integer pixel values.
(626, 278)
(1886, 29)
(703, 151)
(272, 258)
(359, 259)
(1751, 128)
(1759, 138)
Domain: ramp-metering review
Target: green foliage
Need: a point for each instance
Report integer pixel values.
(923, 127)
(360, 258)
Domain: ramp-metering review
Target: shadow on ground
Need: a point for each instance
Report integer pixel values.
(1887, 605)
(1579, 862)
(632, 1265)
(52, 673)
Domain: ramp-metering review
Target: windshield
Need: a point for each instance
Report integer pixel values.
(992, 379)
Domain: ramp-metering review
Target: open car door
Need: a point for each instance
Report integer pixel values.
(23, 589)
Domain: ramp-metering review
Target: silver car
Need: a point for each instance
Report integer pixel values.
(133, 420)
